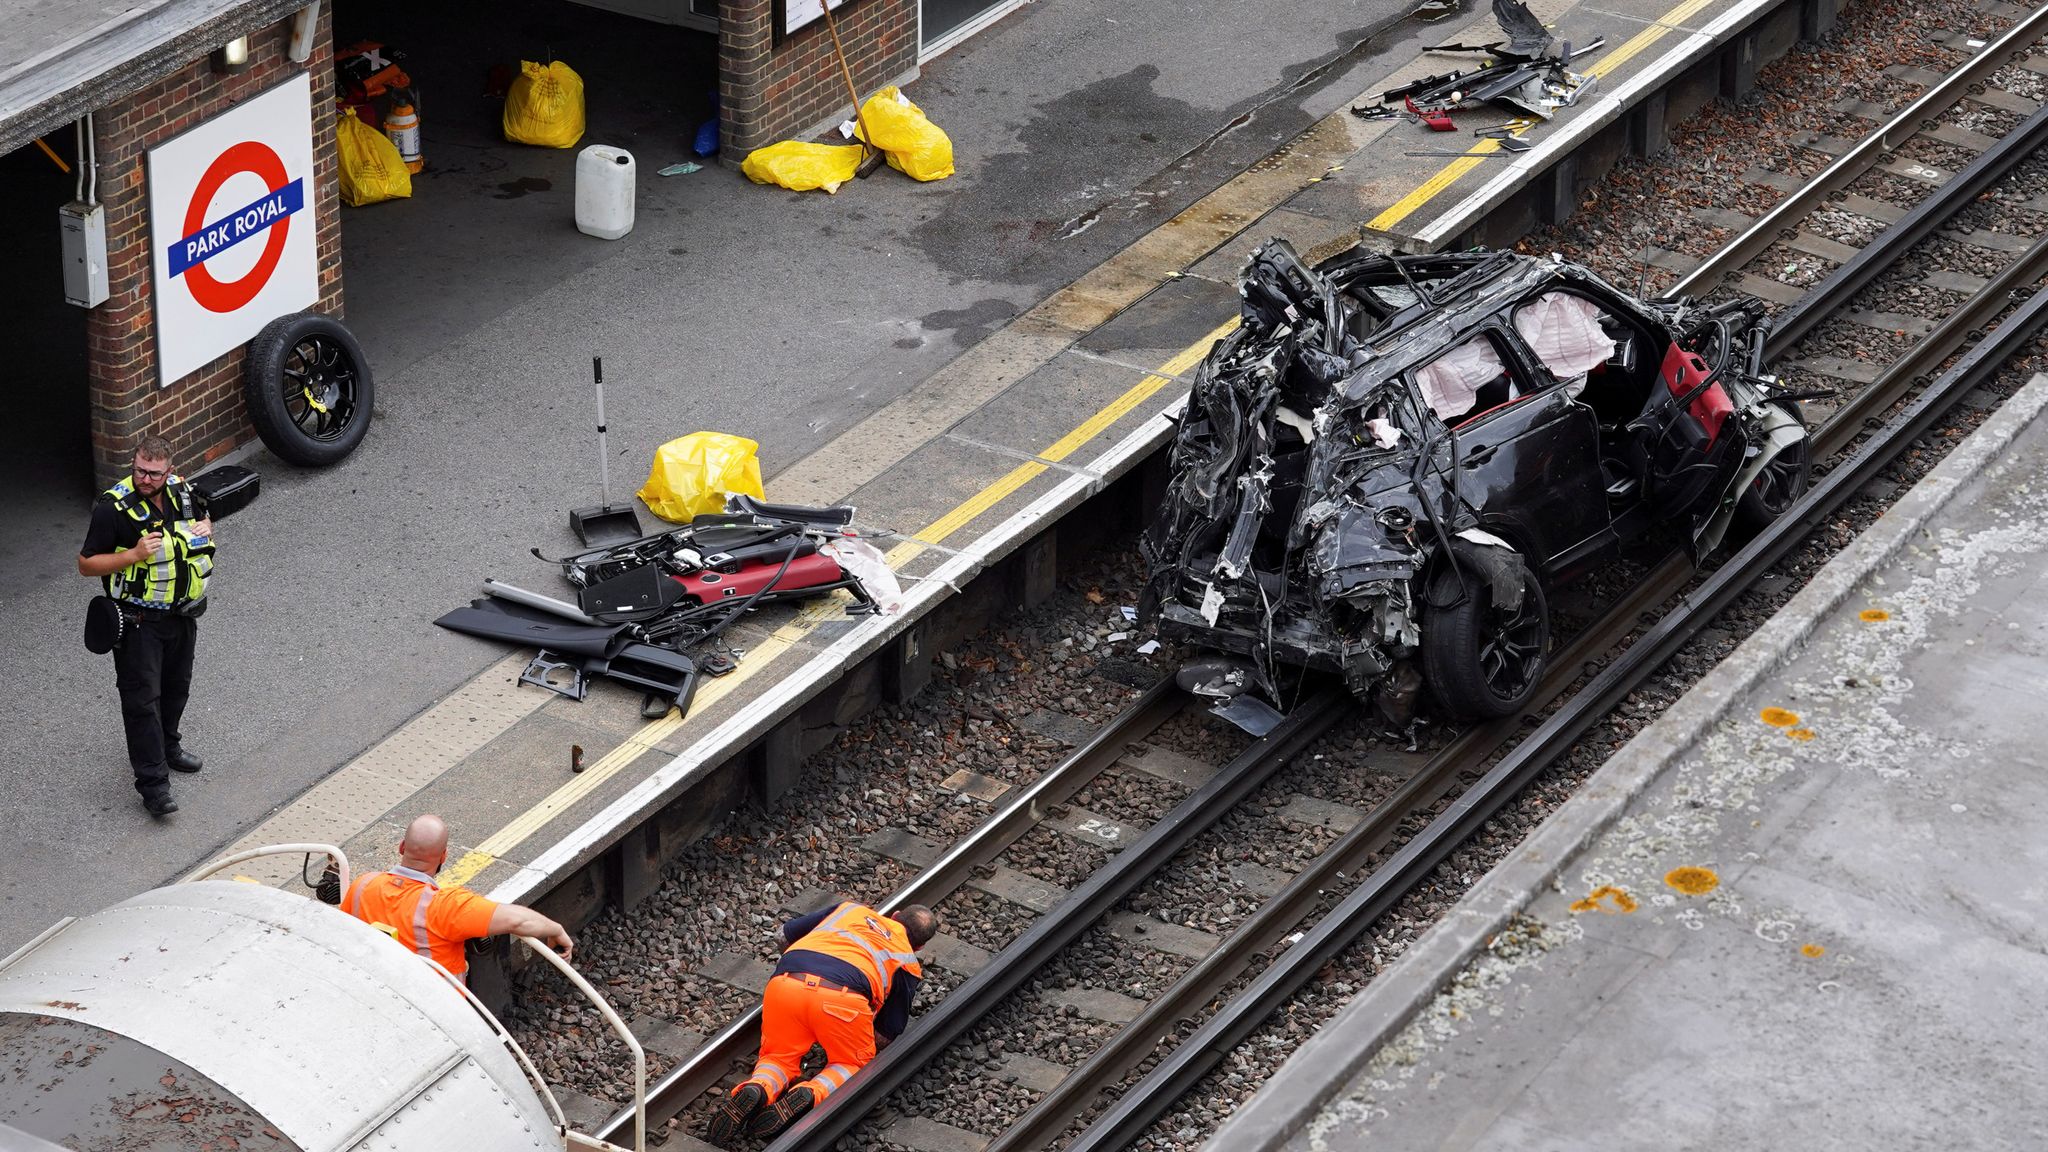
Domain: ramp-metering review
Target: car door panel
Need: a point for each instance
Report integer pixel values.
(1533, 468)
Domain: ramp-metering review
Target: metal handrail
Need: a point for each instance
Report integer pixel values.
(505, 1037)
(1858, 159)
(619, 1026)
(339, 857)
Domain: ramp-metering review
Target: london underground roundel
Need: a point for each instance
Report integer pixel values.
(233, 245)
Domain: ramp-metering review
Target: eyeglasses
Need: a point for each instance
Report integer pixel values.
(142, 473)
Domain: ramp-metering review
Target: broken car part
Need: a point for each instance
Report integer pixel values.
(644, 605)
(1523, 73)
(1393, 459)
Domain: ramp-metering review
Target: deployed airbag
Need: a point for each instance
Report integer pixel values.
(1565, 333)
(1452, 381)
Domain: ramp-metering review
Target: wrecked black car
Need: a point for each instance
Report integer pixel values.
(1382, 470)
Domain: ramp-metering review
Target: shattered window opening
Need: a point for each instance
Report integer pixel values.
(1567, 333)
(1469, 379)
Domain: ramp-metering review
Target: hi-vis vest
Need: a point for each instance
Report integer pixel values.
(179, 579)
(403, 917)
(875, 945)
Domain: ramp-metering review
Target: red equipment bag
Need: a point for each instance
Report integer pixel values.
(706, 585)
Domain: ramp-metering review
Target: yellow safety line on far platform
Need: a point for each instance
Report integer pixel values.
(786, 637)
(1474, 156)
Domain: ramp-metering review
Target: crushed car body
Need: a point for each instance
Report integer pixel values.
(1389, 462)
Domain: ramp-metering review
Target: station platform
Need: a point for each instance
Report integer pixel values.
(965, 466)
(1800, 909)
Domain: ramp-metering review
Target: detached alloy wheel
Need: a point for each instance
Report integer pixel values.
(1781, 482)
(308, 389)
(1481, 660)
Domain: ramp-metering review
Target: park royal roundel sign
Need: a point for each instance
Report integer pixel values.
(233, 243)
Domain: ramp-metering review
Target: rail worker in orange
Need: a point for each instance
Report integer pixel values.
(409, 904)
(845, 981)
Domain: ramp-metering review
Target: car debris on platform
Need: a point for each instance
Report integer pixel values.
(650, 612)
(1383, 470)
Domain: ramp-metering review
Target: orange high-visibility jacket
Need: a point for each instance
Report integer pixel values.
(853, 940)
(413, 909)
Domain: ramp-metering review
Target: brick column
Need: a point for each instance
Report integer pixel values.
(203, 414)
(745, 36)
(770, 90)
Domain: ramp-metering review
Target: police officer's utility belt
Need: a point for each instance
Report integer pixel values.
(191, 610)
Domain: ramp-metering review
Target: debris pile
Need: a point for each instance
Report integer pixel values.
(649, 611)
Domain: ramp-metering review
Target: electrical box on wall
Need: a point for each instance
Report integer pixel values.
(85, 253)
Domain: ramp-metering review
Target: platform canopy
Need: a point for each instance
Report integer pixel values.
(60, 59)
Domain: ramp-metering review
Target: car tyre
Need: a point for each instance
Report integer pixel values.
(1479, 661)
(308, 388)
(1782, 482)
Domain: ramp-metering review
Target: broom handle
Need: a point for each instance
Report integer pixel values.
(866, 142)
(604, 456)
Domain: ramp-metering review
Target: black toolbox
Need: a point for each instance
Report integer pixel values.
(227, 489)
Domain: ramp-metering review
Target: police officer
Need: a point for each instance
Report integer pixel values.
(847, 977)
(150, 544)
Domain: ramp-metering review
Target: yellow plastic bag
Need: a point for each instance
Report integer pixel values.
(371, 168)
(544, 106)
(915, 146)
(801, 167)
(692, 475)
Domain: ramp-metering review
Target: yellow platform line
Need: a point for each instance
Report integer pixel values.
(650, 735)
(1474, 156)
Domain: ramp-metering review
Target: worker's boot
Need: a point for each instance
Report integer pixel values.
(787, 1111)
(732, 1113)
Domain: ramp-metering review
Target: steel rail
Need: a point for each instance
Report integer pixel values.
(1886, 249)
(738, 1039)
(1859, 159)
(1135, 1041)
(1952, 333)
(1178, 1071)
(966, 1005)
(1041, 1126)
(709, 1063)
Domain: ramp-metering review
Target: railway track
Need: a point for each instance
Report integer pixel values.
(1412, 827)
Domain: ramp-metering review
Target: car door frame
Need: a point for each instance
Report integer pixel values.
(1501, 453)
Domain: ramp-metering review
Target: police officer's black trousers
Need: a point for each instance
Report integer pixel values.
(153, 669)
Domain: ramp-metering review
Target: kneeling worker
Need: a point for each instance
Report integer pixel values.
(409, 904)
(846, 980)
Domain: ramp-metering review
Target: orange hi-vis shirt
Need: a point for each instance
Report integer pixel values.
(413, 909)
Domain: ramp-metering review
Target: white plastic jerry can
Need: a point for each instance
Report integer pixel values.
(604, 191)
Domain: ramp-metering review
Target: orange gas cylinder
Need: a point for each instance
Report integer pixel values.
(403, 127)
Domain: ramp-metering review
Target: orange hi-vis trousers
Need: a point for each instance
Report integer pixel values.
(796, 1011)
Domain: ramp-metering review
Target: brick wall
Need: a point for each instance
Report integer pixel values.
(203, 414)
(769, 91)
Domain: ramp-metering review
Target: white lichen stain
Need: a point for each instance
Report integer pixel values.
(1476, 990)
(1847, 702)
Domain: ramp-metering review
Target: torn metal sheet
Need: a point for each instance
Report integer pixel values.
(1249, 713)
(1392, 457)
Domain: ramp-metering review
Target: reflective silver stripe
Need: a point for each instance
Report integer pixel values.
(420, 943)
(355, 896)
(881, 957)
(772, 1078)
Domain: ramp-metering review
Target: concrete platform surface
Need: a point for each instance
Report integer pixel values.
(1818, 925)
